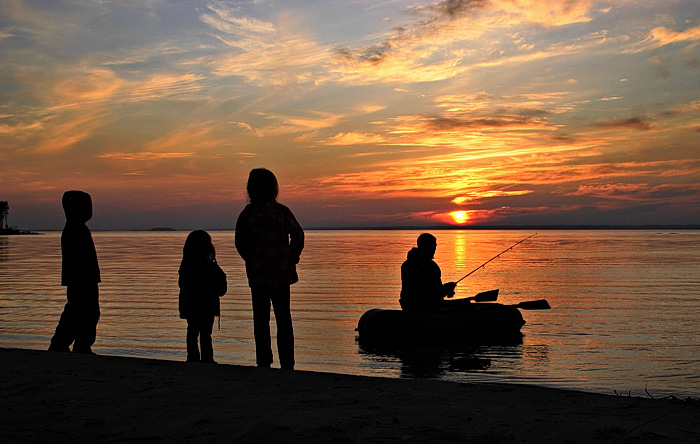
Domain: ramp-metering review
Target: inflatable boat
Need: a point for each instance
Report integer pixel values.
(476, 322)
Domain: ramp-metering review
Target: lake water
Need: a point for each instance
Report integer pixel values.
(625, 314)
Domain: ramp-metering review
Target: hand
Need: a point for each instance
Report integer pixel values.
(450, 288)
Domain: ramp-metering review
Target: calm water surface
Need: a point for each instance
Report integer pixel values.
(625, 314)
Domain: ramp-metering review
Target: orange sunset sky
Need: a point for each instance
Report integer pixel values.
(370, 112)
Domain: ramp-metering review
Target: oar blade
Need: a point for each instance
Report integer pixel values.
(486, 296)
(540, 304)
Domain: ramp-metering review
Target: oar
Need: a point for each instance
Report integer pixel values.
(461, 303)
(540, 304)
(485, 296)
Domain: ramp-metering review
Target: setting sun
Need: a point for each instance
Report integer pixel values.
(460, 217)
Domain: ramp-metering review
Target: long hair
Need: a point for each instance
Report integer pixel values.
(262, 186)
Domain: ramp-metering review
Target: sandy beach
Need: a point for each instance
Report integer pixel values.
(63, 397)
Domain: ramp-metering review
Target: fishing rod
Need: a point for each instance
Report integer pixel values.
(495, 257)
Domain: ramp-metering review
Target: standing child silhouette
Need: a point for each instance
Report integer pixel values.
(270, 240)
(80, 274)
(202, 282)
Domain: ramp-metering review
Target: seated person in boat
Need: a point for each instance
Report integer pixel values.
(421, 283)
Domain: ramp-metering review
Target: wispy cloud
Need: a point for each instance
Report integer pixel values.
(144, 156)
(662, 36)
(290, 124)
(448, 39)
(263, 53)
(638, 122)
(353, 138)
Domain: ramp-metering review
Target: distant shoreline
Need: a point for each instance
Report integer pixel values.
(665, 227)
(521, 227)
(13, 232)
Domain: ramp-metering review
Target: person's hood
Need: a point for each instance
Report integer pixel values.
(417, 254)
(77, 205)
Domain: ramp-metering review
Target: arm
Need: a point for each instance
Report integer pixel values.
(449, 289)
(296, 236)
(220, 285)
(445, 290)
(241, 235)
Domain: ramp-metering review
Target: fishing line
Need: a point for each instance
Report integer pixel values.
(495, 257)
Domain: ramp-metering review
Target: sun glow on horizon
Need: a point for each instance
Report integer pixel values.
(460, 217)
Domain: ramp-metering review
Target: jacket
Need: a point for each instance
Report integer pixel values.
(202, 282)
(270, 240)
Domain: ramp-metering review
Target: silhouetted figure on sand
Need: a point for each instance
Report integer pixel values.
(202, 282)
(421, 282)
(270, 241)
(80, 273)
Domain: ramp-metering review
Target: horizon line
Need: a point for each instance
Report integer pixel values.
(511, 227)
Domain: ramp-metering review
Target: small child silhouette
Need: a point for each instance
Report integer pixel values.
(202, 282)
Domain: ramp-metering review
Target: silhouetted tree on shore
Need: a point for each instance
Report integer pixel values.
(4, 211)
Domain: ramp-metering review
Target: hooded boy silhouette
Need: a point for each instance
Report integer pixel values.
(80, 274)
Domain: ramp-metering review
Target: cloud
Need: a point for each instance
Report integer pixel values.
(407, 56)
(641, 192)
(609, 190)
(435, 47)
(261, 53)
(662, 36)
(143, 156)
(164, 87)
(72, 103)
(353, 68)
(369, 109)
(287, 124)
(229, 22)
(548, 12)
(353, 138)
(488, 194)
(243, 125)
(86, 85)
(195, 137)
(638, 122)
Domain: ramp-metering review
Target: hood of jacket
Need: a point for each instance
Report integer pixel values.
(416, 254)
(77, 205)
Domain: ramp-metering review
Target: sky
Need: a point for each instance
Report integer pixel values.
(371, 113)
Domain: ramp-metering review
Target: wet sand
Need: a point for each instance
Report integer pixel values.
(64, 397)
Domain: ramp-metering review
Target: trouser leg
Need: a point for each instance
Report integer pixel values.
(205, 341)
(88, 317)
(192, 339)
(285, 330)
(261, 325)
(65, 330)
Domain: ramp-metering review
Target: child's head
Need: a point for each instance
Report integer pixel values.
(198, 244)
(262, 185)
(77, 205)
